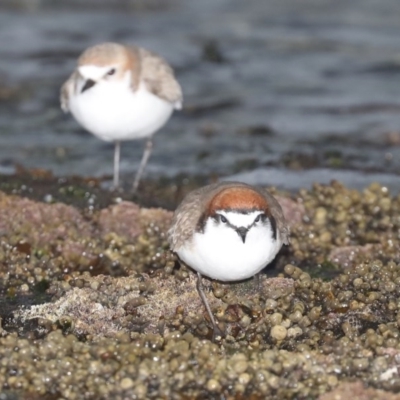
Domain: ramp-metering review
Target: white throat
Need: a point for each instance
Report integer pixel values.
(219, 252)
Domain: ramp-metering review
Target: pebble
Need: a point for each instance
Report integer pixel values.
(126, 383)
(213, 385)
(278, 332)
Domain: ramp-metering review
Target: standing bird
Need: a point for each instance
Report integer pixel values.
(120, 93)
(227, 231)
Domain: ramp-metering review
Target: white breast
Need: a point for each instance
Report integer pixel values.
(112, 111)
(219, 252)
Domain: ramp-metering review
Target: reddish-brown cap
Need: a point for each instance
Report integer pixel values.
(237, 198)
(106, 54)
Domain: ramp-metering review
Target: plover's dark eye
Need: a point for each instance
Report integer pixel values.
(111, 71)
(223, 219)
(259, 218)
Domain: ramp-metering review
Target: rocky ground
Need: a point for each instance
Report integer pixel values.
(94, 306)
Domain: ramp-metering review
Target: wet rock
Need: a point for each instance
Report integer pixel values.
(257, 130)
(207, 106)
(346, 256)
(127, 220)
(40, 223)
(121, 219)
(212, 52)
(43, 228)
(293, 211)
(156, 217)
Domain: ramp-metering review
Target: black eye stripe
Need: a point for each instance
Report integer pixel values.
(217, 217)
(274, 227)
(224, 220)
(260, 217)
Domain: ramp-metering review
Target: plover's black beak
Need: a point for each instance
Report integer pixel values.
(242, 232)
(88, 84)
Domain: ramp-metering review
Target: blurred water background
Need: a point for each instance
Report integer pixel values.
(278, 92)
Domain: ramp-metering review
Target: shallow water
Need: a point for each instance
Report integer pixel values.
(276, 92)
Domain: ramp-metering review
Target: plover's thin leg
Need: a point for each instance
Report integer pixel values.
(257, 282)
(117, 151)
(199, 285)
(145, 157)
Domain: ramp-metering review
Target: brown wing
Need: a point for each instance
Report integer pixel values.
(277, 213)
(159, 78)
(186, 217)
(65, 92)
